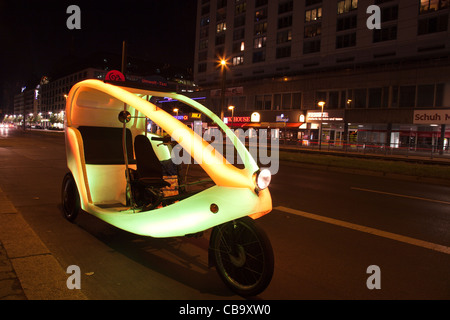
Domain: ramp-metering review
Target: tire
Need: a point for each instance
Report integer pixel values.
(70, 198)
(248, 268)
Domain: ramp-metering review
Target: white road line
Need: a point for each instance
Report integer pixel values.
(401, 195)
(380, 233)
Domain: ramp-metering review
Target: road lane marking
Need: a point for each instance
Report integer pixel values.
(401, 195)
(377, 232)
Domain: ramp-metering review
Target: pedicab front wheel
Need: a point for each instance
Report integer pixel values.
(243, 256)
(70, 198)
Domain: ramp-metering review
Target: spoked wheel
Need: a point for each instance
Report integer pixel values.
(70, 198)
(243, 256)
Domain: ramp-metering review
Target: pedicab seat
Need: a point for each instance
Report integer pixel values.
(149, 167)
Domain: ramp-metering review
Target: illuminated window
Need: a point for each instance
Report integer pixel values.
(261, 14)
(344, 6)
(259, 42)
(313, 14)
(221, 27)
(238, 60)
(433, 5)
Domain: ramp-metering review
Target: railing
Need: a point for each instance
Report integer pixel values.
(391, 149)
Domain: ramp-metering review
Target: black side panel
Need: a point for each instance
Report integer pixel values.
(103, 145)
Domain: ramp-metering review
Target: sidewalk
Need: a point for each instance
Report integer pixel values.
(28, 270)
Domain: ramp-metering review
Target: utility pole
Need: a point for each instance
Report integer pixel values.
(124, 58)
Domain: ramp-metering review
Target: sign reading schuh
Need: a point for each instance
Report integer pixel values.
(431, 116)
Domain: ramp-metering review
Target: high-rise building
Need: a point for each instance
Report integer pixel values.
(381, 68)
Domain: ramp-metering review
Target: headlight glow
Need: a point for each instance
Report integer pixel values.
(263, 179)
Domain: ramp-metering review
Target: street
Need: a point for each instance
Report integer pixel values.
(327, 229)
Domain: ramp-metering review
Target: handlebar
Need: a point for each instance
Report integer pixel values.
(165, 139)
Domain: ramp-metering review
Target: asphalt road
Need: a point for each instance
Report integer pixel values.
(327, 230)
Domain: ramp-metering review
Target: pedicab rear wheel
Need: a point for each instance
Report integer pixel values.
(243, 256)
(70, 198)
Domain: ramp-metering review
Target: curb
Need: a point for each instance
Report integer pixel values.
(30, 262)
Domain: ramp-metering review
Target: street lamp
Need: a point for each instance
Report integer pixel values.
(176, 111)
(232, 112)
(321, 104)
(223, 66)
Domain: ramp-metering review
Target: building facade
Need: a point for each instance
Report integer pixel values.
(382, 72)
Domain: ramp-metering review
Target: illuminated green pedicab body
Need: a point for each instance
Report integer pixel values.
(95, 103)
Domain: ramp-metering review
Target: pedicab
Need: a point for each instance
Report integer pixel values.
(118, 173)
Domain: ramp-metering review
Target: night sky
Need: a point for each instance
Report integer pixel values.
(35, 39)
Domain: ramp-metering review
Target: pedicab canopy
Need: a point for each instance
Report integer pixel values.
(94, 103)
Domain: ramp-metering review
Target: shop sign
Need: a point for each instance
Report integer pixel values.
(315, 116)
(185, 117)
(281, 118)
(431, 116)
(255, 117)
(238, 119)
(195, 115)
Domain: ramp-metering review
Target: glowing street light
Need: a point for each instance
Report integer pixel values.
(232, 111)
(321, 104)
(223, 65)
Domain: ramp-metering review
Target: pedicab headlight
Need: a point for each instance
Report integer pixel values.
(263, 179)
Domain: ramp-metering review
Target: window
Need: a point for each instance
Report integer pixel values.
(433, 5)
(259, 42)
(359, 98)
(375, 95)
(263, 102)
(385, 34)
(220, 39)
(346, 23)
(203, 44)
(313, 30)
(240, 8)
(204, 21)
(202, 56)
(201, 67)
(407, 96)
(286, 6)
(239, 21)
(313, 14)
(433, 24)
(204, 32)
(283, 52)
(345, 6)
(284, 22)
(311, 46)
(284, 36)
(221, 3)
(311, 2)
(347, 40)
(389, 14)
(221, 27)
(259, 56)
(238, 60)
(239, 34)
(260, 28)
(260, 3)
(425, 96)
(238, 46)
(261, 14)
(205, 10)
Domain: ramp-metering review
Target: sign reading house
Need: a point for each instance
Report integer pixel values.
(432, 116)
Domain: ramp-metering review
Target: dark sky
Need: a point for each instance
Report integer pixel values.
(34, 37)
